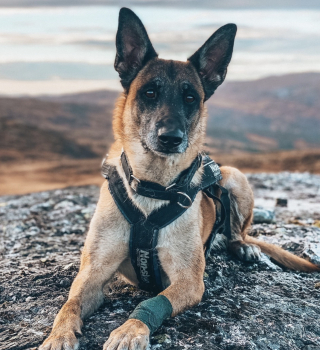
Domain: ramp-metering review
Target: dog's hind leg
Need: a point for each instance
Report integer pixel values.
(241, 202)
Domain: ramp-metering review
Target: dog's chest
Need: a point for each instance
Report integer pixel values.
(176, 241)
(182, 230)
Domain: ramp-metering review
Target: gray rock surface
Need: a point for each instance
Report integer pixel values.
(245, 306)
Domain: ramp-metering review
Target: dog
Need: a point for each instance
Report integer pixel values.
(159, 122)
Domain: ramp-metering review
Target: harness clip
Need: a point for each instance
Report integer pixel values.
(138, 181)
(170, 186)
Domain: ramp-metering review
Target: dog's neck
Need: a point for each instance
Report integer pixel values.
(149, 166)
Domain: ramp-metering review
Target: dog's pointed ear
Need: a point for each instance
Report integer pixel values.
(134, 48)
(212, 59)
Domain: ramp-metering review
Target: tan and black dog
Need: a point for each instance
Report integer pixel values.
(160, 122)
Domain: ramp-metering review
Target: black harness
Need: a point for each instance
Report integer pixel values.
(180, 194)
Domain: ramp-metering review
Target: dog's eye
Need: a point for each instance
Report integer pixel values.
(189, 98)
(150, 94)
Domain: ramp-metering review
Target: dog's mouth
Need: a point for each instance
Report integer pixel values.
(169, 151)
(164, 151)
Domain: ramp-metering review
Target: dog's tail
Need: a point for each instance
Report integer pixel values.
(283, 257)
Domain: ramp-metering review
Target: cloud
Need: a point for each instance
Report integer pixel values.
(100, 44)
(55, 86)
(63, 38)
(40, 71)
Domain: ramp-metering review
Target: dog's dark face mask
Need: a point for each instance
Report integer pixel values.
(168, 95)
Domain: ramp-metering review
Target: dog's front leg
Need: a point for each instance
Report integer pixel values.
(105, 249)
(185, 291)
(85, 296)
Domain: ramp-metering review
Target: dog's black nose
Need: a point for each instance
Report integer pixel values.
(170, 138)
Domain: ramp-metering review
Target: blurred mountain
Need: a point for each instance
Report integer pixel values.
(275, 113)
(270, 124)
(57, 127)
(266, 115)
(20, 142)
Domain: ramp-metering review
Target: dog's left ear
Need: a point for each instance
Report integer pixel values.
(212, 59)
(134, 48)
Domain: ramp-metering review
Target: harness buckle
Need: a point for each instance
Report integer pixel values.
(189, 199)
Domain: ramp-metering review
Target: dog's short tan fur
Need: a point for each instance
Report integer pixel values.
(106, 249)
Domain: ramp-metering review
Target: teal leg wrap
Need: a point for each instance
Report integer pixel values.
(153, 312)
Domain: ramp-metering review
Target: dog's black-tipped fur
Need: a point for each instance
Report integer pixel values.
(212, 59)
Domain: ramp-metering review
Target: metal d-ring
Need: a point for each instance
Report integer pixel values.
(190, 201)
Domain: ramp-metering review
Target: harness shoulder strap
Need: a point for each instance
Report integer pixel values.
(120, 195)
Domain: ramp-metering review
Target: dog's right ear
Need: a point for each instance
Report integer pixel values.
(134, 48)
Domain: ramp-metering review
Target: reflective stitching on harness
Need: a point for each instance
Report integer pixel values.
(143, 258)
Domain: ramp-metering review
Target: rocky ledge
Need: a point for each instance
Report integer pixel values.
(245, 306)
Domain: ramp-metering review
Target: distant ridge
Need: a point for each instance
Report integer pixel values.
(269, 114)
(265, 115)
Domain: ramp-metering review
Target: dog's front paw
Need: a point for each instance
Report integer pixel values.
(132, 335)
(245, 251)
(60, 341)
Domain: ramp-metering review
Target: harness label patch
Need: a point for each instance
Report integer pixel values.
(143, 258)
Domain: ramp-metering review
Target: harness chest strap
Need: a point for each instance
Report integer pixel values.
(144, 231)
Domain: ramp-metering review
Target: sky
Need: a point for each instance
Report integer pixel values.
(173, 3)
(63, 49)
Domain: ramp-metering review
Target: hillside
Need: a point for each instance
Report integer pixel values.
(84, 124)
(275, 113)
(19, 142)
(249, 124)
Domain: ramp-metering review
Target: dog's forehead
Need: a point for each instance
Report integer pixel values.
(169, 72)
